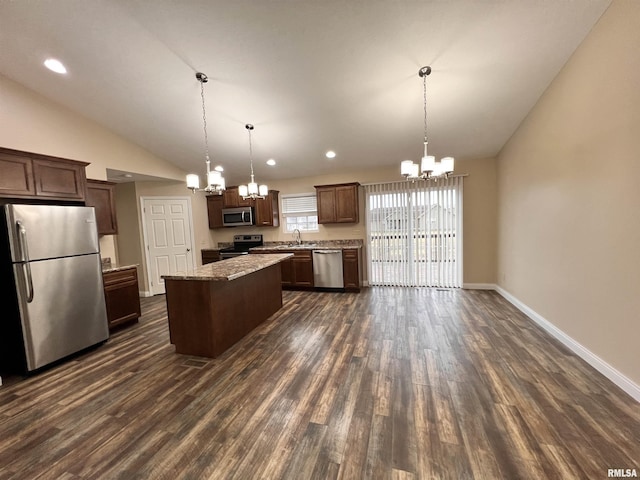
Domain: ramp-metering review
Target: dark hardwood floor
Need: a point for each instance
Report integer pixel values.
(390, 383)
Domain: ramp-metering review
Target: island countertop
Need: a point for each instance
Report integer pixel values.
(230, 269)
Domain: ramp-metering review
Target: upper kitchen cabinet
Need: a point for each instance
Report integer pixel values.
(214, 210)
(16, 175)
(231, 198)
(338, 203)
(268, 211)
(101, 196)
(35, 176)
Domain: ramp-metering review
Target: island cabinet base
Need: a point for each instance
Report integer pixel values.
(208, 317)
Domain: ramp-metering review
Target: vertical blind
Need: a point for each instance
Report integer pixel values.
(414, 233)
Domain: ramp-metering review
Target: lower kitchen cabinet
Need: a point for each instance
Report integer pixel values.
(122, 296)
(210, 256)
(302, 263)
(297, 271)
(351, 269)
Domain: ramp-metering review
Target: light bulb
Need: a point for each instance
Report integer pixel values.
(193, 181)
(214, 178)
(447, 164)
(428, 164)
(405, 167)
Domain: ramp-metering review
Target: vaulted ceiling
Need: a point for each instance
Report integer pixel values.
(310, 75)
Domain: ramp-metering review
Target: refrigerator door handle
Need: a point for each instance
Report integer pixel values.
(24, 254)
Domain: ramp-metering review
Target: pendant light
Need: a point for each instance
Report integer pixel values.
(215, 180)
(428, 169)
(251, 190)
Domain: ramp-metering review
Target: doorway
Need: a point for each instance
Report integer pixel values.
(168, 238)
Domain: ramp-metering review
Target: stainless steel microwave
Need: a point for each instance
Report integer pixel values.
(236, 217)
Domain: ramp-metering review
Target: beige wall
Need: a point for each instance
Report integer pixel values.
(130, 241)
(568, 224)
(31, 123)
(479, 214)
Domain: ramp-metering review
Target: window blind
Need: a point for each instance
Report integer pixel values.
(299, 204)
(414, 233)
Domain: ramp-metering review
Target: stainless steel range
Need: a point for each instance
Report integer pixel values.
(241, 246)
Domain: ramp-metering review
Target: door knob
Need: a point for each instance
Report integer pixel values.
(188, 249)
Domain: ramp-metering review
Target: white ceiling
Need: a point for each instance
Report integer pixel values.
(311, 75)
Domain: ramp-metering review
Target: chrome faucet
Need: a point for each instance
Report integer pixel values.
(296, 236)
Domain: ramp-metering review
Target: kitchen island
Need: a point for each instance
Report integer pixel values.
(213, 306)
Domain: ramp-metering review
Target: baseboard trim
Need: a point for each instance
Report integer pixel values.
(479, 286)
(145, 293)
(592, 359)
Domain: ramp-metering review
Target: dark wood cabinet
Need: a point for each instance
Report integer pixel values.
(351, 269)
(122, 296)
(302, 266)
(101, 196)
(267, 210)
(296, 271)
(231, 198)
(338, 203)
(59, 179)
(210, 255)
(286, 269)
(214, 210)
(36, 176)
(16, 175)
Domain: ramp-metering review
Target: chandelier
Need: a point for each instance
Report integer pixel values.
(428, 168)
(251, 190)
(215, 180)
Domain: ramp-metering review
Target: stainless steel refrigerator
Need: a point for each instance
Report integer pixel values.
(51, 277)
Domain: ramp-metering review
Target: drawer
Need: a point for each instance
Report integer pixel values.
(350, 253)
(120, 276)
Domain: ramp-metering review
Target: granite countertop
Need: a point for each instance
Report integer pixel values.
(230, 269)
(320, 245)
(111, 267)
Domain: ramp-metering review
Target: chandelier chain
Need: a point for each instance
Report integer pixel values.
(250, 154)
(204, 122)
(424, 92)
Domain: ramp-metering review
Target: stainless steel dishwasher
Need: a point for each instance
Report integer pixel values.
(327, 269)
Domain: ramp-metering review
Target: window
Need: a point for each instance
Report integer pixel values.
(300, 212)
(414, 233)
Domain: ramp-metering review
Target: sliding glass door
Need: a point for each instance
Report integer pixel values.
(414, 232)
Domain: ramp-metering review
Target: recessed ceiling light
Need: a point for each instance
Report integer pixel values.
(219, 168)
(271, 162)
(55, 65)
(330, 154)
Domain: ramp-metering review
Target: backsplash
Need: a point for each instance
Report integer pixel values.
(321, 243)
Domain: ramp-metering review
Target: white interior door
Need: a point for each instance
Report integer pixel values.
(168, 232)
